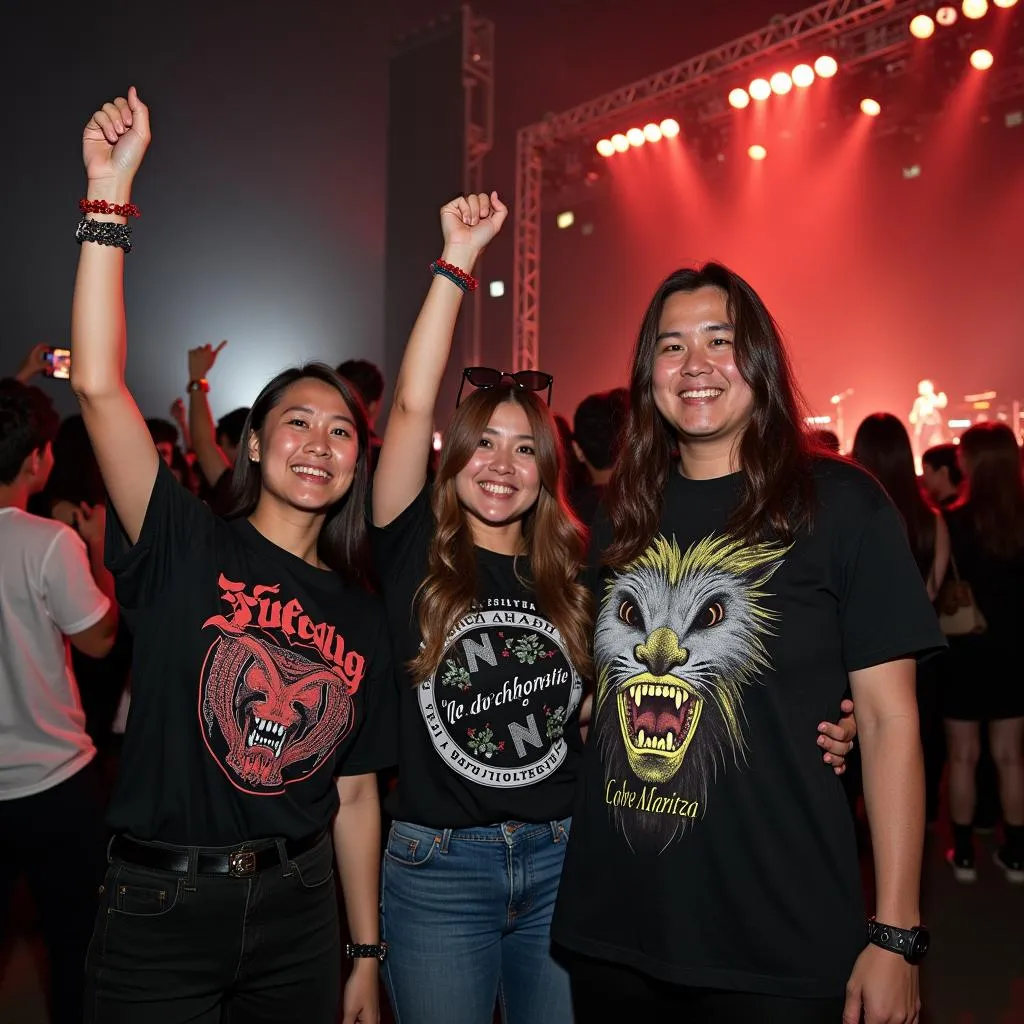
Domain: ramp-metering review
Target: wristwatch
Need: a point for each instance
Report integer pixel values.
(198, 385)
(911, 943)
(375, 951)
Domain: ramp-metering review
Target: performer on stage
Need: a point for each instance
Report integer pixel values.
(929, 426)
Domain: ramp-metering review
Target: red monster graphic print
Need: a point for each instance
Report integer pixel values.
(271, 716)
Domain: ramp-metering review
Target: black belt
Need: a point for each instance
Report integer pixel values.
(236, 863)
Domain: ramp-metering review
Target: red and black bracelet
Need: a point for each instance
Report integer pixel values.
(467, 282)
(114, 209)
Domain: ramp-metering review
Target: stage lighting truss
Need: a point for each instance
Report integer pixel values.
(634, 138)
(780, 83)
(858, 33)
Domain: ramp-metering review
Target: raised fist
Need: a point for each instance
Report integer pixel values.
(472, 221)
(116, 138)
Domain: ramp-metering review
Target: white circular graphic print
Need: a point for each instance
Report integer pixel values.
(497, 705)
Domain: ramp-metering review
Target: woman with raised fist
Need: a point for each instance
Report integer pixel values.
(260, 681)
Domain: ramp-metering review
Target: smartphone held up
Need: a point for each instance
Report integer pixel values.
(58, 362)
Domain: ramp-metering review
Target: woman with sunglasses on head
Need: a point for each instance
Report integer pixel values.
(482, 579)
(261, 681)
(479, 575)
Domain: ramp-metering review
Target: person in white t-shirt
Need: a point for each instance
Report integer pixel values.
(53, 589)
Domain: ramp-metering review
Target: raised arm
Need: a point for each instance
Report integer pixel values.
(467, 224)
(210, 456)
(113, 144)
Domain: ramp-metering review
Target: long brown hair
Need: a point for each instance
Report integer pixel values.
(995, 488)
(775, 453)
(553, 539)
(882, 447)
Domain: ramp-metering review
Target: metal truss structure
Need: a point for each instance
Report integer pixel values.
(856, 31)
(478, 90)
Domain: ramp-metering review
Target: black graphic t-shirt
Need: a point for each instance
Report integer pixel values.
(256, 679)
(711, 847)
(493, 734)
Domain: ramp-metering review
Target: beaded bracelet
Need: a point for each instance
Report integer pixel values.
(105, 232)
(455, 274)
(102, 206)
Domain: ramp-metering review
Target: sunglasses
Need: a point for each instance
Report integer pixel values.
(488, 377)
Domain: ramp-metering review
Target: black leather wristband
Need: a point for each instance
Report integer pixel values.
(910, 943)
(364, 951)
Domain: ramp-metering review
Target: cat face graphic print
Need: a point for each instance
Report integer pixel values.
(276, 691)
(678, 642)
(497, 704)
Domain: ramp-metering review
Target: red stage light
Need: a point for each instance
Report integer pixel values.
(620, 142)
(947, 15)
(974, 8)
(803, 76)
(652, 133)
(669, 127)
(826, 66)
(982, 60)
(757, 152)
(606, 148)
(1005, 3)
(636, 137)
(870, 107)
(781, 83)
(760, 89)
(922, 27)
(739, 98)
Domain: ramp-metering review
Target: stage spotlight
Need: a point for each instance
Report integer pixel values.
(620, 142)
(497, 289)
(566, 219)
(826, 66)
(669, 127)
(974, 8)
(982, 60)
(757, 152)
(760, 89)
(781, 83)
(870, 107)
(1005, 3)
(636, 137)
(652, 133)
(922, 27)
(803, 76)
(946, 16)
(605, 147)
(739, 98)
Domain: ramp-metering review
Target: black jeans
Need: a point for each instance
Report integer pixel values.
(213, 949)
(603, 991)
(55, 838)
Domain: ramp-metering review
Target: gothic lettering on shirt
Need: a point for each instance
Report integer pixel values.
(270, 715)
(678, 640)
(497, 705)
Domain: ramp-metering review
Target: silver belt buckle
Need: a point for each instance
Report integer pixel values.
(242, 864)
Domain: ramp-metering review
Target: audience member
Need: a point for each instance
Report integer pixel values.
(596, 433)
(367, 379)
(941, 474)
(52, 586)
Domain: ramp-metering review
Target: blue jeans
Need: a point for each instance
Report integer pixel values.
(467, 914)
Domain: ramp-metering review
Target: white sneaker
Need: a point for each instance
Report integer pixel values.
(963, 868)
(1014, 870)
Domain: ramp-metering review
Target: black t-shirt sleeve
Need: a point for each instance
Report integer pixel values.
(376, 742)
(176, 523)
(401, 547)
(884, 609)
